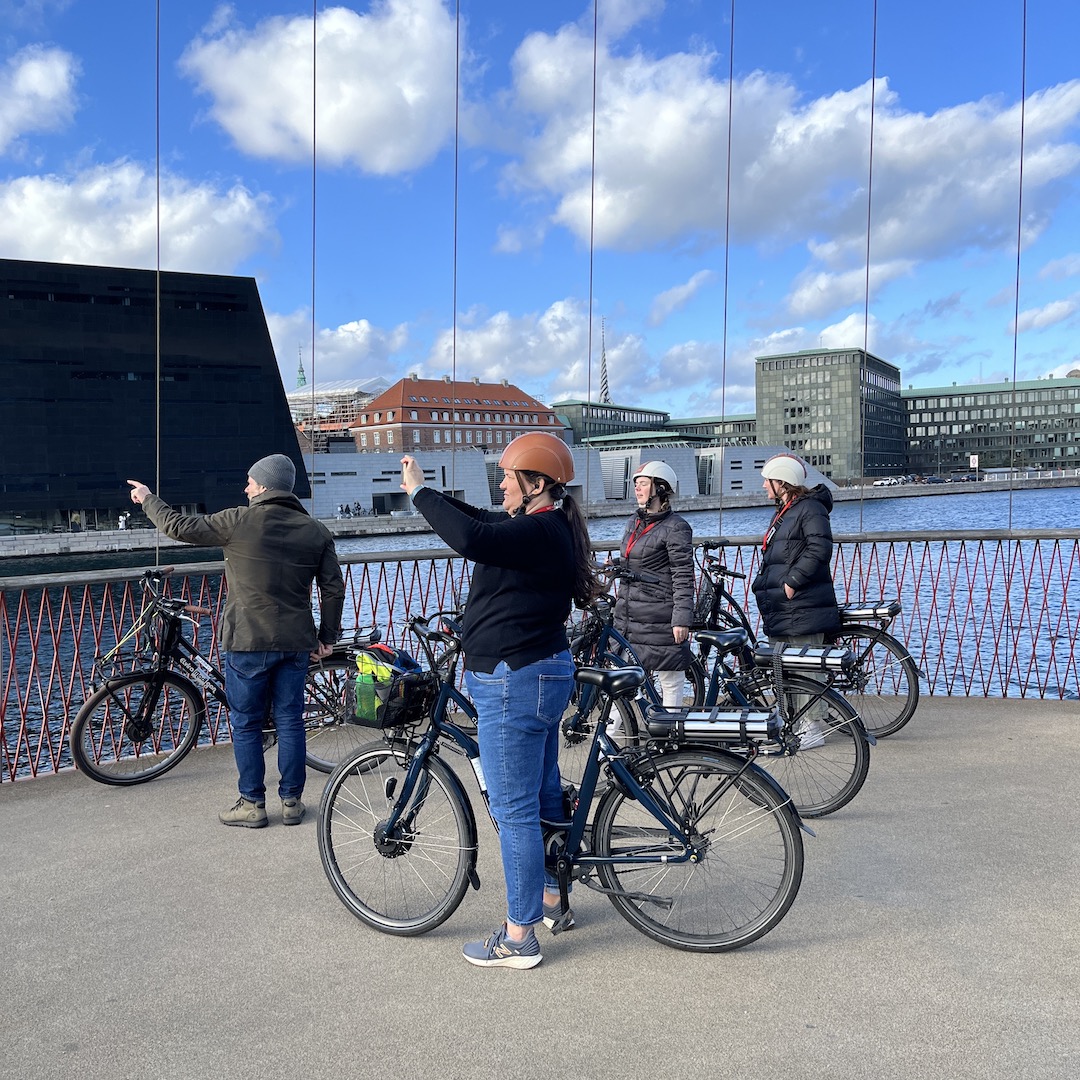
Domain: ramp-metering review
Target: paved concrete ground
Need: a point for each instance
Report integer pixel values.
(935, 936)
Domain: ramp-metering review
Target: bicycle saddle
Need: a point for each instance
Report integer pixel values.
(615, 682)
(724, 641)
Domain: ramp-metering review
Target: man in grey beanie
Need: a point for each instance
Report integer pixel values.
(273, 552)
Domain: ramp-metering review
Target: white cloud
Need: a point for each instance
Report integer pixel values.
(354, 350)
(821, 292)
(675, 299)
(1048, 315)
(944, 183)
(385, 84)
(1057, 269)
(106, 215)
(37, 93)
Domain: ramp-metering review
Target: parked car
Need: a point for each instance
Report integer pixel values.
(936, 480)
(966, 478)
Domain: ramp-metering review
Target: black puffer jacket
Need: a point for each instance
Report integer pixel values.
(798, 552)
(661, 544)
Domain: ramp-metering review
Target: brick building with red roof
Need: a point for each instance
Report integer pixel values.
(441, 414)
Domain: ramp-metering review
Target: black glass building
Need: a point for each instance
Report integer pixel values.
(101, 368)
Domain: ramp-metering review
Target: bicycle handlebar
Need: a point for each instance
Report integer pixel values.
(618, 568)
(716, 565)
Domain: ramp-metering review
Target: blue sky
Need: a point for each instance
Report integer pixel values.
(362, 248)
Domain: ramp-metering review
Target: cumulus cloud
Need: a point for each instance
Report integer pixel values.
(355, 350)
(675, 299)
(1048, 315)
(37, 93)
(944, 182)
(384, 89)
(107, 215)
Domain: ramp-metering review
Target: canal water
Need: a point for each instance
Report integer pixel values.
(1056, 508)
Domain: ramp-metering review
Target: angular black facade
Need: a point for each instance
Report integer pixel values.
(85, 403)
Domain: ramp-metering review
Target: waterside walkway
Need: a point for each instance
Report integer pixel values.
(936, 937)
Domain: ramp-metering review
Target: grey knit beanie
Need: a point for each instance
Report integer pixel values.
(276, 472)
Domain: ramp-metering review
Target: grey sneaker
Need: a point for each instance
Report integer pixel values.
(292, 811)
(249, 815)
(553, 913)
(497, 950)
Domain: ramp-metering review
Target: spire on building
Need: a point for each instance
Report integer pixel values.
(605, 392)
(301, 378)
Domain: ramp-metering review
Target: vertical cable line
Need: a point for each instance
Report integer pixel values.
(313, 426)
(727, 263)
(1012, 659)
(866, 291)
(454, 257)
(157, 266)
(585, 499)
(1013, 443)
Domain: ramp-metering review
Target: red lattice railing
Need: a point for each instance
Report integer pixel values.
(984, 615)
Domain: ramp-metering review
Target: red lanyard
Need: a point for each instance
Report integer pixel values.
(770, 532)
(635, 536)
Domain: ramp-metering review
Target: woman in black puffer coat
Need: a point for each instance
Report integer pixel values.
(794, 586)
(656, 618)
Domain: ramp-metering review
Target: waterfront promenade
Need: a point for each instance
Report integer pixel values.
(936, 937)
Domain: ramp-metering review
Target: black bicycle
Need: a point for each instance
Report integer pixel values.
(697, 848)
(883, 683)
(150, 694)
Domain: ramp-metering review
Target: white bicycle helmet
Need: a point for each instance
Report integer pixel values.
(786, 468)
(659, 470)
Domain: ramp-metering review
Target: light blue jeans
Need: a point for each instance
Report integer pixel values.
(258, 684)
(518, 715)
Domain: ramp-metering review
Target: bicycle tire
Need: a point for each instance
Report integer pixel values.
(578, 726)
(104, 745)
(885, 691)
(410, 882)
(822, 780)
(752, 852)
(329, 712)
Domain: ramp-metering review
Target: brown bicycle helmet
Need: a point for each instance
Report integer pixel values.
(540, 452)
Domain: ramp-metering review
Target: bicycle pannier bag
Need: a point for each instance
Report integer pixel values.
(391, 688)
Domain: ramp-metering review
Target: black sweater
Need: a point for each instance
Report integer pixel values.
(522, 580)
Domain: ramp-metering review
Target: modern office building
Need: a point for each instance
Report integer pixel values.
(590, 420)
(88, 399)
(838, 408)
(1033, 424)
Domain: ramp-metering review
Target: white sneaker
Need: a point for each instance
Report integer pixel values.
(614, 730)
(812, 734)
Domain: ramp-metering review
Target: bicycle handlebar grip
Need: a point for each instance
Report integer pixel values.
(192, 609)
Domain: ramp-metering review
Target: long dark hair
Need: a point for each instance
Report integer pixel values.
(587, 585)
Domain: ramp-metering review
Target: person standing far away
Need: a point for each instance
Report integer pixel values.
(794, 586)
(655, 617)
(530, 564)
(273, 552)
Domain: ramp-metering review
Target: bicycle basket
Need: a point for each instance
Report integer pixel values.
(392, 690)
(703, 608)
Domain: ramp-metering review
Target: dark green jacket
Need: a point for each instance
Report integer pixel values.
(273, 552)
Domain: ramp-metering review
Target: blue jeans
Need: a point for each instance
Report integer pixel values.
(518, 715)
(257, 685)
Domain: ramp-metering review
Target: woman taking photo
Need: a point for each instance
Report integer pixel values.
(655, 616)
(794, 586)
(530, 565)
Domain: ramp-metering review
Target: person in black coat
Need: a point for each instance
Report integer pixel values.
(794, 586)
(655, 617)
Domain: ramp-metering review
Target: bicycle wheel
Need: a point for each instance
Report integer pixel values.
(885, 687)
(136, 727)
(750, 852)
(579, 725)
(411, 879)
(329, 712)
(828, 776)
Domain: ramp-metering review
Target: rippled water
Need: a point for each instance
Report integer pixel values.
(1044, 509)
